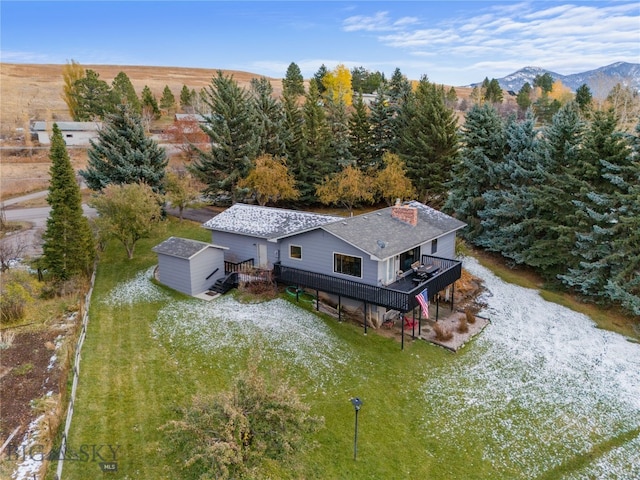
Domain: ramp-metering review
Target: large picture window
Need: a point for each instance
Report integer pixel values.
(295, 251)
(347, 265)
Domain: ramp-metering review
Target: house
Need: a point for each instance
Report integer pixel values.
(73, 133)
(375, 263)
(189, 266)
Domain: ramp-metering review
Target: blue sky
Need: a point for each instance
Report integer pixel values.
(452, 42)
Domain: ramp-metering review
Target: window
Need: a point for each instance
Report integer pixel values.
(409, 257)
(347, 265)
(434, 246)
(295, 251)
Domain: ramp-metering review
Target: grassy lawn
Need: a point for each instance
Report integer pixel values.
(483, 413)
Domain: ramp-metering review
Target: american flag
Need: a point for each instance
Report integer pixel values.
(423, 300)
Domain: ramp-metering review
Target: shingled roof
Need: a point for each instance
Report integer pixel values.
(266, 222)
(183, 247)
(382, 235)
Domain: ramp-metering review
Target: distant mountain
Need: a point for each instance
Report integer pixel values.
(600, 80)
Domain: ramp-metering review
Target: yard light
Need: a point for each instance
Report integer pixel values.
(357, 403)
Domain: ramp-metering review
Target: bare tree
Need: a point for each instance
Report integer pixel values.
(11, 248)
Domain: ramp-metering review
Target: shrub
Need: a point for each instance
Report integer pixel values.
(442, 333)
(463, 326)
(13, 301)
(470, 316)
(232, 434)
(6, 339)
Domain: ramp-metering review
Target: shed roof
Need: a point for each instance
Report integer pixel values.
(69, 126)
(266, 222)
(183, 247)
(381, 235)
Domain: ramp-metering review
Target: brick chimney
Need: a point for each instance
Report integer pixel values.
(405, 214)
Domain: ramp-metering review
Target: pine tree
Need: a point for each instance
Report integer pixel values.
(187, 98)
(124, 154)
(293, 133)
(318, 77)
(360, 139)
(167, 101)
(124, 92)
(584, 97)
(293, 82)
(269, 119)
(523, 99)
(149, 104)
(92, 97)
(68, 244)
(479, 168)
(234, 140)
(428, 142)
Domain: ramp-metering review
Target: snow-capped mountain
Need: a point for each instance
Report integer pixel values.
(600, 80)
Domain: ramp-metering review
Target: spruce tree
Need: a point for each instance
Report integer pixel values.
(606, 156)
(68, 244)
(187, 98)
(269, 119)
(339, 152)
(234, 140)
(506, 209)
(293, 82)
(123, 154)
(551, 232)
(479, 168)
(382, 126)
(92, 97)
(293, 134)
(428, 142)
(360, 139)
(318, 77)
(317, 137)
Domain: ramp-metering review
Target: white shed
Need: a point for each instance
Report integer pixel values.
(189, 266)
(73, 133)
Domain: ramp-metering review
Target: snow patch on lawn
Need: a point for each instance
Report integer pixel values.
(275, 328)
(138, 289)
(540, 387)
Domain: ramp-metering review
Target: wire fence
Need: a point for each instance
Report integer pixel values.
(76, 376)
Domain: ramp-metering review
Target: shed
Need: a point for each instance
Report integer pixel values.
(189, 266)
(73, 133)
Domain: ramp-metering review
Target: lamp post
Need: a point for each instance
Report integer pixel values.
(357, 403)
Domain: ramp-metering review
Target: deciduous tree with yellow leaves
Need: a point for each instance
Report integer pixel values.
(270, 180)
(348, 188)
(338, 85)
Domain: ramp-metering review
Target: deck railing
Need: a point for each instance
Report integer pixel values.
(230, 267)
(450, 271)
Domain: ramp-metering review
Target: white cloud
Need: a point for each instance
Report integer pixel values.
(376, 23)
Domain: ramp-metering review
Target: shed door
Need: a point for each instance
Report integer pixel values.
(262, 255)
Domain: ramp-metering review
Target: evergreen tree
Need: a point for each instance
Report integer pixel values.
(523, 99)
(360, 140)
(382, 126)
(318, 77)
(493, 92)
(428, 141)
(584, 97)
(293, 82)
(339, 151)
(167, 101)
(269, 118)
(551, 232)
(452, 98)
(399, 88)
(606, 153)
(149, 104)
(123, 154)
(545, 82)
(187, 98)
(124, 92)
(317, 137)
(479, 168)
(293, 133)
(234, 140)
(508, 208)
(92, 97)
(68, 243)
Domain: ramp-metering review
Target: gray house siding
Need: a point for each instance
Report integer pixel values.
(174, 272)
(203, 264)
(318, 248)
(446, 246)
(243, 247)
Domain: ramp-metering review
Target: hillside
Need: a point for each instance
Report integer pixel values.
(34, 92)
